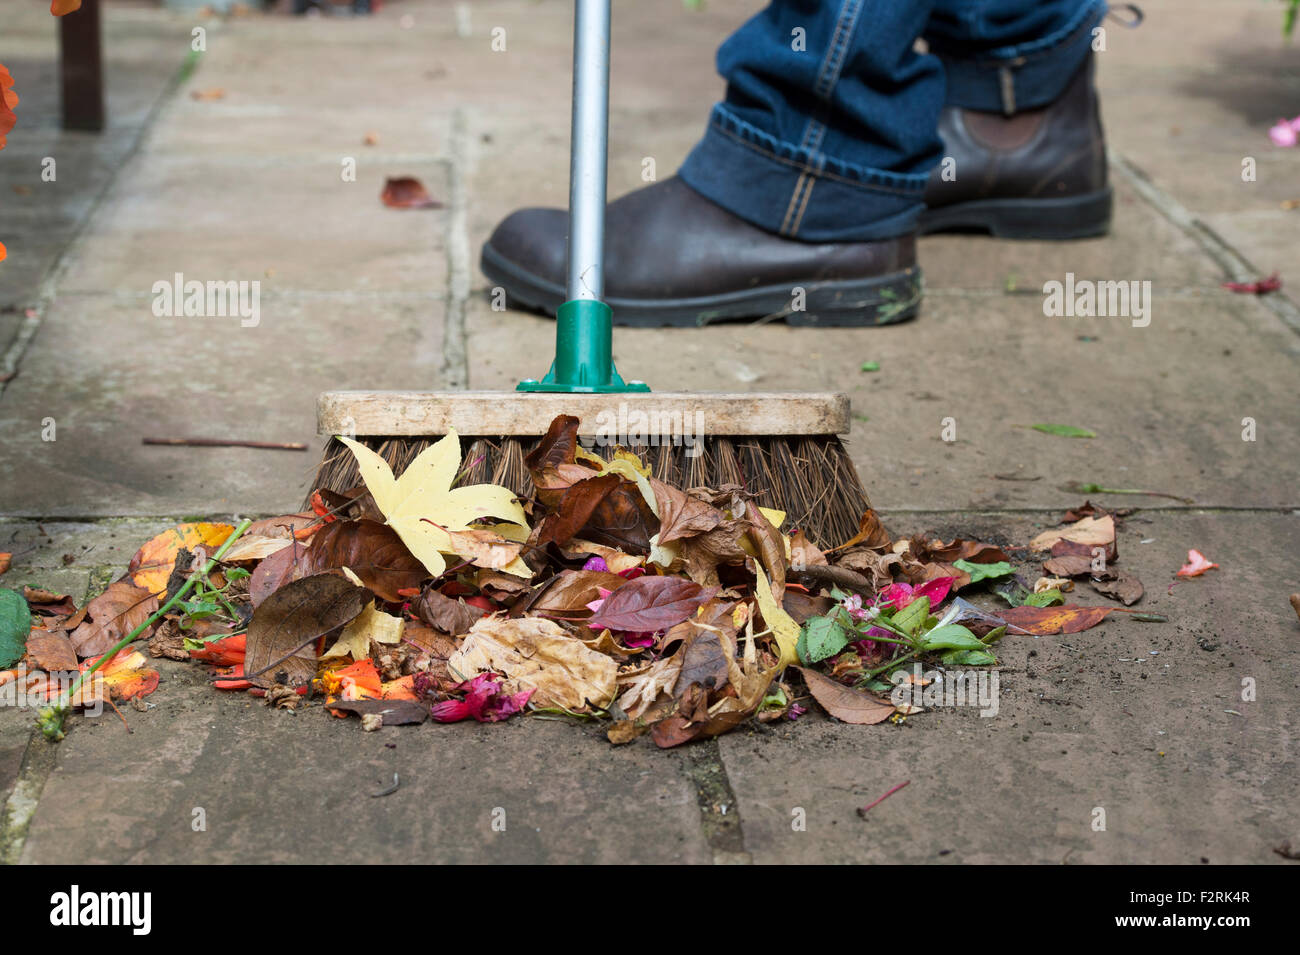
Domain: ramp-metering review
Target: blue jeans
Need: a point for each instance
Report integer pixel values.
(827, 132)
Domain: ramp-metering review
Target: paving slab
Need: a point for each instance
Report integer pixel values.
(186, 377)
(1144, 721)
(1189, 96)
(259, 781)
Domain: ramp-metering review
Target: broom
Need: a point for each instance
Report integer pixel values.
(781, 447)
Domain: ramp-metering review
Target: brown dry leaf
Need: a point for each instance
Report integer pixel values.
(624, 731)
(571, 590)
(704, 661)
(537, 654)
(1090, 531)
(614, 559)
(483, 548)
(254, 548)
(407, 192)
(47, 603)
(973, 551)
(112, 615)
(286, 623)
(286, 526)
(703, 554)
(435, 643)
(1128, 590)
(681, 515)
(1069, 565)
(771, 547)
(52, 652)
(804, 553)
(169, 641)
(876, 567)
(845, 703)
(152, 564)
(208, 95)
(1045, 621)
(451, 616)
(276, 571)
(643, 687)
(372, 551)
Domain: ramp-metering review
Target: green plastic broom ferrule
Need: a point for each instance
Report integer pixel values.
(584, 353)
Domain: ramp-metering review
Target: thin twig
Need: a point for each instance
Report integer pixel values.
(228, 443)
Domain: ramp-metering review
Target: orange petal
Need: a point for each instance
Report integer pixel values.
(63, 7)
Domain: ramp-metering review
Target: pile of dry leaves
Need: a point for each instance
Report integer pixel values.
(681, 613)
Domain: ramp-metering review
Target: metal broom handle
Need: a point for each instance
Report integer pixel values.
(588, 150)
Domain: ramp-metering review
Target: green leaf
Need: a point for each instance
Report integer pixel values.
(1064, 430)
(980, 572)
(820, 638)
(910, 618)
(993, 636)
(970, 658)
(871, 366)
(952, 637)
(15, 626)
(1046, 599)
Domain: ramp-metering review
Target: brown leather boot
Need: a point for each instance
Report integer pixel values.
(1036, 174)
(672, 257)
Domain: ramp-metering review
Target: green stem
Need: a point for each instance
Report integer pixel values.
(65, 698)
(889, 666)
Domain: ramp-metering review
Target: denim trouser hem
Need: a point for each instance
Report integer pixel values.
(796, 192)
(1027, 76)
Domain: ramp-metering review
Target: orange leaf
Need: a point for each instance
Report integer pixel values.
(63, 7)
(1045, 621)
(407, 192)
(152, 565)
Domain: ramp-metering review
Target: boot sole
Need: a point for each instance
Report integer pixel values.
(1052, 219)
(880, 300)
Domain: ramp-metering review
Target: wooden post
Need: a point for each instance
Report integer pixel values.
(81, 73)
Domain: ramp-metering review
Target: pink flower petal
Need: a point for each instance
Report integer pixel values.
(1283, 134)
(936, 590)
(596, 563)
(1197, 564)
(899, 595)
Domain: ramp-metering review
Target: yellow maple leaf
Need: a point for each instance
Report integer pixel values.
(783, 626)
(422, 506)
(370, 624)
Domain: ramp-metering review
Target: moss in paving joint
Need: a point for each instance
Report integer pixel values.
(719, 812)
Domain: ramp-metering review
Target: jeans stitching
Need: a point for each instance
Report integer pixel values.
(789, 206)
(829, 74)
(900, 191)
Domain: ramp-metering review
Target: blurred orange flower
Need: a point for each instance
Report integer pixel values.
(8, 100)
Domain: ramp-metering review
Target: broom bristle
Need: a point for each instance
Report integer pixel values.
(811, 478)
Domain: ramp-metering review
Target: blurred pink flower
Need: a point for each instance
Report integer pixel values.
(1284, 132)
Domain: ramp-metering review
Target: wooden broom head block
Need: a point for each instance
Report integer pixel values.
(501, 413)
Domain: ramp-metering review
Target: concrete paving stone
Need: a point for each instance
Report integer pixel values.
(314, 230)
(1129, 717)
(1163, 423)
(269, 793)
(205, 377)
(1192, 94)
